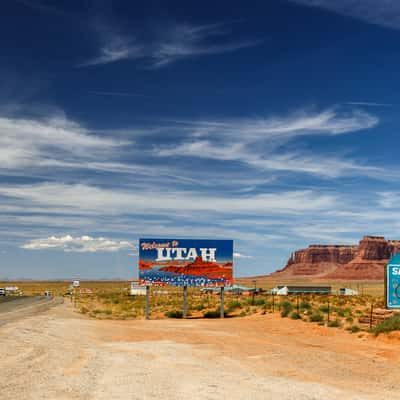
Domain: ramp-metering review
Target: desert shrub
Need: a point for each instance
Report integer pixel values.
(340, 312)
(316, 317)
(389, 325)
(305, 306)
(242, 314)
(324, 308)
(362, 301)
(125, 307)
(354, 329)
(349, 319)
(334, 324)
(174, 314)
(259, 302)
(212, 314)
(286, 308)
(234, 305)
(295, 315)
(341, 301)
(84, 310)
(200, 307)
(99, 311)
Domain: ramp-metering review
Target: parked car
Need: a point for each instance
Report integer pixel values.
(2, 291)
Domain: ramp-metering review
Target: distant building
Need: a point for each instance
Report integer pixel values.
(347, 292)
(287, 290)
(237, 289)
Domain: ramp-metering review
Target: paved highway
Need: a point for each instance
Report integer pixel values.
(13, 307)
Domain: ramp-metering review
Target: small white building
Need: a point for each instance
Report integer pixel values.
(348, 292)
(280, 290)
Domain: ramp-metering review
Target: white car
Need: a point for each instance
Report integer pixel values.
(2, 291)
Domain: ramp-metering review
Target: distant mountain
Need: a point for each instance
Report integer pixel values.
(359, 262)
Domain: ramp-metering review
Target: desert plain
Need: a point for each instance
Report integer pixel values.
(58, 352)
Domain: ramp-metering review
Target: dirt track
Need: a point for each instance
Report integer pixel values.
(61, 355)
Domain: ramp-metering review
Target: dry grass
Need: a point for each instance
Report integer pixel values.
(110, 300)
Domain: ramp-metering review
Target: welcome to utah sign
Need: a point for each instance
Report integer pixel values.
(185, 262)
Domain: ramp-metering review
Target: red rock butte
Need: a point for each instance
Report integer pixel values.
(202, 268)
(365, 261)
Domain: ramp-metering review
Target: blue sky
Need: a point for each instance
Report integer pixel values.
(274, 125)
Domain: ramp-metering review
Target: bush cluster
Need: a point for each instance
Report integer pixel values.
(389, 325)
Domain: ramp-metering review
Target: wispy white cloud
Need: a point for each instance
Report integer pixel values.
(29, 142)
(84, 198)
(300, 123)
(382, 12)
(82, 244)
(185, 40)
(255, 142)
(174, 43)
(241, 255)
(368, 104)
(114, 47)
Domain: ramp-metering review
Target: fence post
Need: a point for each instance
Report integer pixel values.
(370, 315)
(329, 311)
(147, 311)
(222, 311)
(184, 305)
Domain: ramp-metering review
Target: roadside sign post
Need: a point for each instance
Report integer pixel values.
(184, 305)
(147, 311)
(222, 311)
(385, 287)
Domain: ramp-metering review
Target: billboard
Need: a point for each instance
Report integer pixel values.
(393, 282)
(185, 262)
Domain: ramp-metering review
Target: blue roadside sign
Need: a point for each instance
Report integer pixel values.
(393, 282)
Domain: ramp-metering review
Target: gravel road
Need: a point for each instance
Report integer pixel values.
(58, 354)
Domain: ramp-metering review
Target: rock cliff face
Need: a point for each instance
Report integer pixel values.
(365, 261)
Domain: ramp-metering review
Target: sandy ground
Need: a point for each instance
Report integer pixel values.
(59, 354)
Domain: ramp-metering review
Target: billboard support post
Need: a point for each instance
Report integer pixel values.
(222, 303)
(147, 312)
(184, 304)
(385, 286)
